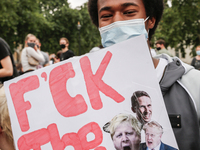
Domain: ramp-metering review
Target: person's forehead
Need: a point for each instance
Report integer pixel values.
(144, 99)
(32, 38)
(62, 41)
(109, 3)
(152, 130)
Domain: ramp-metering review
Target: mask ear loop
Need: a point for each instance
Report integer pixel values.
(146, 19)
(148, 30)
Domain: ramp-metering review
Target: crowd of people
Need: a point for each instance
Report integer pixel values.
(31, 57)
(178, 81)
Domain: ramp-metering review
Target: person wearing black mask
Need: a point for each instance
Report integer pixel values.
(160, 47)
(66, 53)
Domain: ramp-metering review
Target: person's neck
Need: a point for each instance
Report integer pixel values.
(65, 49)
(155, 62)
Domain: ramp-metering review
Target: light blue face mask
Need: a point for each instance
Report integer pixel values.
(198, 52)
(122, 30)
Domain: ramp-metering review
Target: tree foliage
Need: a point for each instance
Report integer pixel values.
(49, 21)
(180, 25)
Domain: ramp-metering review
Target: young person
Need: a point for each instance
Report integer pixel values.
(160, 46)
(66, 52)
(30, 49)
(178, 82)
(7, 66)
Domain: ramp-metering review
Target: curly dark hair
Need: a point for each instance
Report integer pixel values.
(154, 8)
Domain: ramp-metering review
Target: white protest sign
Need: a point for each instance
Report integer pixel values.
(65, 105)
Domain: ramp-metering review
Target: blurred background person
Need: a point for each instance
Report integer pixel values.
(45, 54)
(55, 58)
(7, 66)
(196, 60)
(160, 47)
(6, 136)
(66, 53)
(30, 49)
(125, 131)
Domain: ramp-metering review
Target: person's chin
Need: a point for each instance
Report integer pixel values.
(147, 119)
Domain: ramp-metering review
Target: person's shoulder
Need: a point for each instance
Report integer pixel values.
(166, 147)
(71, 51)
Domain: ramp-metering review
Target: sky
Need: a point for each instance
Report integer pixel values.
(75, 3)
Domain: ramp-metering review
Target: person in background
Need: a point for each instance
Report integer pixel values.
(30, 49)
(178, 81)
(196, 60)
(7, 66)
(160, 47)
(45, 54)
(153, 135)
(125, 131)
(6, 136)
(66, 53)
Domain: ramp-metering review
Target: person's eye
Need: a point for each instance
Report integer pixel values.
(119, 135)
(106, 16)
(130, 133)
(129, 12)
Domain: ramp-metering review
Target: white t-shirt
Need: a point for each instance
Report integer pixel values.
(160, 68)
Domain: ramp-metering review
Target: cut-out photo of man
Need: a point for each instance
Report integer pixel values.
(125, 131)
(142, 106)
(153, 135)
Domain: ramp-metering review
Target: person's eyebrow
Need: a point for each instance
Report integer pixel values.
(128, 4)
(104, 8)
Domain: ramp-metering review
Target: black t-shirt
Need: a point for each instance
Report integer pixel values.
(66, 55)
(4, 52)
(196, 63)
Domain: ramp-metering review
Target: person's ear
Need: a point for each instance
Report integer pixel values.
(133, 109)
(151, 22)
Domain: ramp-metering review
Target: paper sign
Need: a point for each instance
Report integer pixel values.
(65, 106)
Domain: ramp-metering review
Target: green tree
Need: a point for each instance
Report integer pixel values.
(49, 21)
(180, 25)
(64, 23)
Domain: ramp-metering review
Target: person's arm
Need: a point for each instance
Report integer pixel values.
(7, 67)
(36, 54)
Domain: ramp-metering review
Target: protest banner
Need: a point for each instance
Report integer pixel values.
(66, 105)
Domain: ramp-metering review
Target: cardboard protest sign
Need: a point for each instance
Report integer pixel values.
(66, 105)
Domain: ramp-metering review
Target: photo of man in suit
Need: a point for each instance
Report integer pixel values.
(153, 135)
(142, 106)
